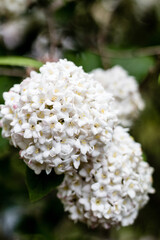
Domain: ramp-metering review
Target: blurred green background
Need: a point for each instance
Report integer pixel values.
(93, 34)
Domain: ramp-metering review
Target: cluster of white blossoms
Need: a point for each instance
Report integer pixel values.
(58, 118)
(63, 119)
(111, 188)
(141, 6)
(15, 7)
(128, 101)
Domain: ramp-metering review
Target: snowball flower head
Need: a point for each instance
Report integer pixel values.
(109, 190)
(58, 117)
(16, 7)
(128, 101)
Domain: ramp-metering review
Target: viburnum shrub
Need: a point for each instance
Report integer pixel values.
(63, 119)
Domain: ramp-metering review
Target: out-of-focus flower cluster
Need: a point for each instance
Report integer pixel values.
(14, 8)
(128, 101)
(110, 189)
(141, 6)
(14, 30)
(63, 119)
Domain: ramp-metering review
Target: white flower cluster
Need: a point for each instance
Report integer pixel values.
(15, 7)
(124, 88)
(58, 118)
(13, 32)
(63, 118)
(141, 6)
(109, 190)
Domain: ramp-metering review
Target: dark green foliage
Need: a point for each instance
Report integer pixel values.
(20, 61)
(136, 66)
(42, 184)
(87, 60)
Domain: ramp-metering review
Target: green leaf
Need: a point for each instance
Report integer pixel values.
(20, 61)
(31, 237)
(159, 79)
(144, 156)
(87, 60)
(136, 66)
(4, 145)
(42, 184)
(5, 84)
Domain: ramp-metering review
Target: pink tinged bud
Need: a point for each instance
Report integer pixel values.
(20, 157)
(15, 106)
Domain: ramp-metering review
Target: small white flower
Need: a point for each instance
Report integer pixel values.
(99, 189)
(128, 101)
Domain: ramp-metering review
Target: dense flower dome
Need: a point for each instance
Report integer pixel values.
(109, 190)
(128, 101)
(16, 7)
(58, 117)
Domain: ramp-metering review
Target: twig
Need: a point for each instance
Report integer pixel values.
(51, 31)
(49, 11)
(102, 36)
(12, 72)
(141, 52)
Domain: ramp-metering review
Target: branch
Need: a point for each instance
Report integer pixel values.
(13, 72)
(103, 33)
(141, 52)
(49, 13)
